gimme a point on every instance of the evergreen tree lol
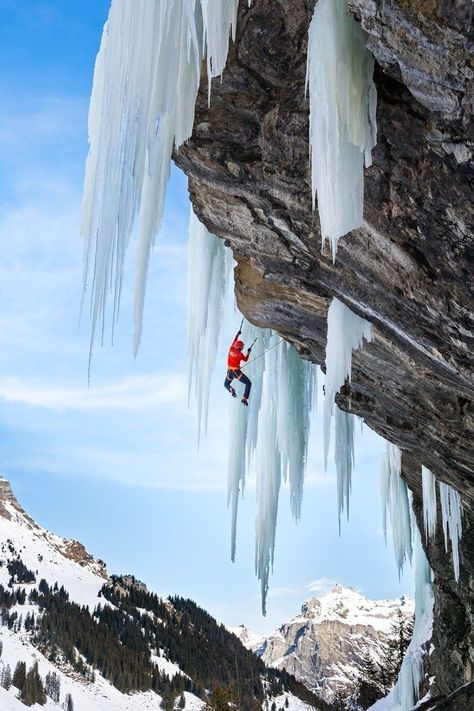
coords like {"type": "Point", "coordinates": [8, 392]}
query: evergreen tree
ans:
{"type": "Point", "coordinates": [19, 675]}
{"type": "Point", "coordinates": [6, 678]}
{"type": "Point", "coordinates": [68, 704]}
{"type": "Point", "coordinates": [33, 690]}
{"type": "Point", "coordinates": [222, 698]}
{"type": "Point", "coordinates": [167, 699]}
{"type": "Point", "coordinates": [53, 686]}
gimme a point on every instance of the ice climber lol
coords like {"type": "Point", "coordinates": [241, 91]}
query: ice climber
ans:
{"type": "Point", "coordinates": [234, 358]}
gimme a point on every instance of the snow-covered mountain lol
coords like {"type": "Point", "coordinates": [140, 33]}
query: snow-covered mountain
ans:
{"type": "Point", "coordinates": [106, 643]}
{"type": "Point", "coordinates": [326, 644]}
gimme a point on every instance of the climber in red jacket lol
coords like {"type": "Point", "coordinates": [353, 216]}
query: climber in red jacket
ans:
{"type": "Point", "coordinates": [234, 358]}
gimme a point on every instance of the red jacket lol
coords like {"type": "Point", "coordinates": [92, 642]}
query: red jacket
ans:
{"type": "Point", "coordinates": [235, 356]}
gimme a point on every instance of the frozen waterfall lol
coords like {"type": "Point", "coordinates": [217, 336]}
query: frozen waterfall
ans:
{"type": "Point", "coordinates": [272, 435]}
{"type": "Point", "coordinates": [342, 117]}
{"type": "Point", "coordinates": [395, 500]}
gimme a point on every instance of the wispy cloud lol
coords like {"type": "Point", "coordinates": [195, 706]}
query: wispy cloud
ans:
{"type": "Point", "coordinates": [131, 393]}
{"type": "Point", "coordinates": [320, 587]}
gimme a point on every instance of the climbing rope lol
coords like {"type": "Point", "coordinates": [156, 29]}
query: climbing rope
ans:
{"type": "Point", "coordinates": [262, 354]}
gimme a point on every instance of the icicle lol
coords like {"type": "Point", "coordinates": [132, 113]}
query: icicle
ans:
{"type": "Point", "coordinates": [143, 98]}
{"type": "Point", "coordinates": [236, 470]}
{"type": "Point", "coordinates": [275, 428]}
{"type": "Point", "coordinates": [243, 426]}
{"type": "Point", "coordinates": [342, 117]}
{"type": "Point", "coordinates": [209, 267]}
{"type": "Point", "coordinates": [344, 455]}
{"type": "Point", "coordinates": [406, 691]}
{"type": "Point", "coordinates": [346, 332]}
{"type": "Point", "coordinates": [451, 511]}
{"type": "Point", "coordinates": [395, 500]}
{"type": "Point", "coordinates": [269, 471]}
{"type": "Point", "coordinates": [219, 21]}
{"type": "Point", "coordinates": [296, 386]}
{"type": "Point", "coordinates": [429, 502]}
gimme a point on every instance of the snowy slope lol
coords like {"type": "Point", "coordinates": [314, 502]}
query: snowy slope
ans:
{"type": "Point", "coordinates": [66, 562]}
{"type": "Point", "coordinates": [248, 638]}
{"type": "Point", "coordinates": [50, 557]}
{"type": "Point", "coordinates": [323, 646]}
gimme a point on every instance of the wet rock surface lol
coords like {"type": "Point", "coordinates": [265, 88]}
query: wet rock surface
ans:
{"type": "Point", "coordinates": [408, 269]}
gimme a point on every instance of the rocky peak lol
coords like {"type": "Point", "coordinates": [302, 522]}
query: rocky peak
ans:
{"type": "Point", "coordinates": [324, 646]}
{"type": "Point", "coordinates": [29, 532]}
{"type": "Point", "coordinates": [9, 506]}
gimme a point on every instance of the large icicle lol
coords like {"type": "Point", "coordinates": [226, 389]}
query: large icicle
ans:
{"type": "Point", "coordinates": [273, 431]}
{"type": "Point", "coordinates": [269, 471]}
{"type": "Point", "coordinates": [395, 500]}
{"type": "Point", "coordinates": [405, 693]}
{"type": "Point", "coordinates": [344, 456]}
{"type": "Point", "coordinates": [220, 22]}
{"type": "Point", "coordinates": [346, 332]}
{"type": "Point", "coordinates": [429, 502]}
{"type": "Point", "coordinates": [145, 86]}
{"type": "Point", "coordinates": [342, 116]}
{"type": "Point", "coordinates": [243, 426]}
{"type": "Point", "coordinates": [209, 266]}
{"type": "Point", "coordinates": [296, 386]}
{"type": "Point", "coordinates": [451, 511]}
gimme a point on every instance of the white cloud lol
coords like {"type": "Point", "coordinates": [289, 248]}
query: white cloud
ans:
{"type": "Point", "coordinates": [131, 393]}
{"type": "Point", "coordinates": [320, 587]}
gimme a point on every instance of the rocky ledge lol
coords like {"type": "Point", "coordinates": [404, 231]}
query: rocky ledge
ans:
{"type": "Point", "coordinates": [407, 270]}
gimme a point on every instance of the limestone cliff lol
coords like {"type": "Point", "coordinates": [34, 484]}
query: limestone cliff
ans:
{"type": "Point", "coordinates": [407, 269]}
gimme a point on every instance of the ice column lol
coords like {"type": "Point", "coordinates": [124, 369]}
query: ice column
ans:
{"type": "Point", "coordinates": [346, 331]}
{"type": "Point", "coordinates": [429, 501]}
{"type": "Point", "coordinates": [395, 500]}
{"type": "Point", "coordinates": [342, 117]}
{"type": "Point", "coordinates": [451, 511]}
{"type": "Point", "coordinates": [209, 268]}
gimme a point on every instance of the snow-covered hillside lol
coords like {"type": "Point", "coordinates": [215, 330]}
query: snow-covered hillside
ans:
{"type": "Point", "coordinates": [325, 645]}
{"type": "Point", "coordinates": [67, 563]}
{"type": "Point", "coordinates": [37, 565]}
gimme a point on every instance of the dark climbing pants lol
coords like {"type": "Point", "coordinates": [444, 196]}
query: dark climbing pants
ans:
{"type": "Point", "coordinates": [238, 375]}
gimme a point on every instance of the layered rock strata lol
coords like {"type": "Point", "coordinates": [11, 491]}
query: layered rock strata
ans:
{"type": "Point", "coordinates": [407, 269]}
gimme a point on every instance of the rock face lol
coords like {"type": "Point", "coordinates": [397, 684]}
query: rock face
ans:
{"type": "Point", "coordinates": [407, 269]}
{"type": "Point", "coordinates": [324, 646]}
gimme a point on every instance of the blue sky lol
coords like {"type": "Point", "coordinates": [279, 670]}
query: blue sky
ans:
{"type": "Point", "coordinates": [116, 466]}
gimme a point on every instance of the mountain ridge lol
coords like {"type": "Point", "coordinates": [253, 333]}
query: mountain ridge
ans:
{"type": "Point", "coordinates": [108, 641]}
{"type": "Point", "coordinates": [305, 646]}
